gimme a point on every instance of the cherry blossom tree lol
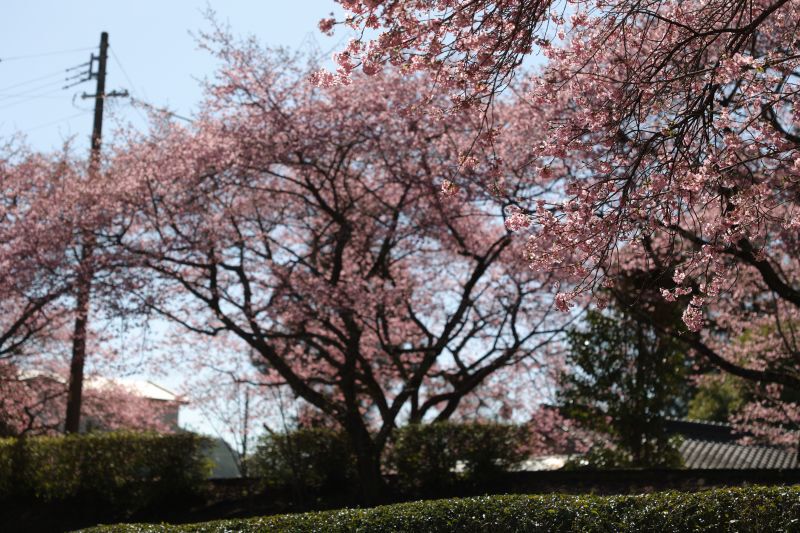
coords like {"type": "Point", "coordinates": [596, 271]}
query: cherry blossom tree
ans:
{"type": "Point", "coordinates": [34, 281]}
{"type": "Point", "coordinates": [750, 334]}
{"type": "Point", "coordinates": [46, 205]}
{"type": "Point", "coordinates": [315, 224]}
{"type": "Point", "coordinates": [672, 140]}
{"type": "Point", "coordinates": [33, 248]}
{"type": "Point", "coordinates": [662, 108]}
{"type": "Point", "coordinates": [95, 284]}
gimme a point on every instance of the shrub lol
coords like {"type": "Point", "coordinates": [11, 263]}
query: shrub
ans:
{"type": "Point", "coordinates": [426, 457]}
{"type": "Point", "coordinates": [120, 468]}
{"type": "Point", "coordinates": [433, 456]}
{"type": "Point", "coordinates": [6, 467]}
{"type": "Point", "coordinates": [752, 509]}
{"type": "Point", "coordinates": [310, 461]}
{"type": "Point", "coordinates": [604, 457]}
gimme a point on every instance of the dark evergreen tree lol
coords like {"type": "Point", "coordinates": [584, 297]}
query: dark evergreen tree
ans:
{"type": "Point", "coordinates": [622, 380]}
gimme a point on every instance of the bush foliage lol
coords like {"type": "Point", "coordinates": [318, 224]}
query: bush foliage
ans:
{"type": "Point", "coordinates": [309, 460]}
{"type": "Point", "coordinates": [119, 468]}
{"type": "Point", "coordinates": [425, 457]}
{"type": "Point", "coordinates": [624, 381]}
{"type": "Point", "coordinates": [436, 456]}
{"type": "Point", "coordinates": [753, 509]}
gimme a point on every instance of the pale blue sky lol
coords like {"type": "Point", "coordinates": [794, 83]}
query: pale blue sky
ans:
{"type": "Point", "coordinates": [149, 38]}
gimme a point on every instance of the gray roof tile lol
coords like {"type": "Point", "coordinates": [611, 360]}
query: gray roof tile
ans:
{"type": "Point", "coordinates": [718, 455]}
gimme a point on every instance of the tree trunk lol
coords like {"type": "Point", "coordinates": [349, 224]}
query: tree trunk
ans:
{"type": "Point", "coordinates": [368, 465]}
{"type": "Point", "coordinates": [372, 485]}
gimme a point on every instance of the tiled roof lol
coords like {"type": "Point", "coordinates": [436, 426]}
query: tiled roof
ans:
{"type": "Point", "coordinates": [719, 455]}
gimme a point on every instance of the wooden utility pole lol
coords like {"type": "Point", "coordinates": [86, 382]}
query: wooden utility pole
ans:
{"type": "Point", "coordinates": [85, 273]}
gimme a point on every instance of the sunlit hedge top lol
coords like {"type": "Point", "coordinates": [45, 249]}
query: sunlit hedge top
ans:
{"type": "Point", "coordinates": [755, 509]}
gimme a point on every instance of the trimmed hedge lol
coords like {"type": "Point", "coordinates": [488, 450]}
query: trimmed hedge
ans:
{"type": "Point", "coordinates": [432, 457]}
{"type": "Point", "coordinates": [426, 458]}
{"type": "Point", "coordinates": [754, 509]}
{"type": "Point", "coordinates": [309, 460]}
{"type": "Point", "coordinates": [121, 469]}
{"type": "Point", "coordinates": [6, 468]}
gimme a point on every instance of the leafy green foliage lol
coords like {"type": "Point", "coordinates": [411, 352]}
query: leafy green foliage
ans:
{"type": "Point", "coordinates": [6, 468]}
{"type": "Point", "coordinates": [718, 399]}
{"type": "Point", "coordinates": [751, 509]}
{"type": "Point", "coordinates": [601, 456]}
{"type": "Point", "coordinates": [429, 456]}
{"type": "Point", "coordinates": [121, 469]}
{"type": "Point", "coordinates": [310, 460]}
{"type": "Point", "coordinates": [623, 380]}
{"type": "Point", "coordinates": [425, 457]}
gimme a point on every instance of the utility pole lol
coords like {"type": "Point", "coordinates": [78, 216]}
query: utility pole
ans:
{"type": "Point", "coordinates": [85, 273]}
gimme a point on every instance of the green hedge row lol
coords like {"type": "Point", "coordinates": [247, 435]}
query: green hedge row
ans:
{"type": "Point", "coordinates": [309, 460]}
{"type": "Point", "coordinates": [754, 509]}
{"type": "Point", "coordinates": [425, 457]}
{"type": "Point", "coordinates": [430, 457]}
{"type": "Point", "coordinates": [119, 468]}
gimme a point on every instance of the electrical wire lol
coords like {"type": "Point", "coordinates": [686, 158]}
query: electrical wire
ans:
{"type": "Point", "coordinates": [45, 54]}
{"type": "Point", "coordinates": [40, 126]}
{"type": "Point", "coordinates": [124, 72]}
{"type": "Point", "coordinates": [139, 101]}
{"type": "Point", "coordinates": [39, 96]}
{"type": "Point", "coordinates": [26, 92]}
{"type": "Point", "coordinates": [33, 88]}
{"type": "Point", "coordinates": [59, 73]}
{"type": "Point", "coordinates": [134, 90]}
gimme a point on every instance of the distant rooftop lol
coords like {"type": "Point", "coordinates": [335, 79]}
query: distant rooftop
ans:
{"type": "Point", "coordinates": [704, 446]}
{"type": "Point", "coordinates": [140, 387]}
{"type": "Point", "coordinates": [714, 445]}
{"type": "Point", "coordinates": [704, 454]}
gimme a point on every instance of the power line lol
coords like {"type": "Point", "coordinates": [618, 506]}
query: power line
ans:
{"type": "Point", "coordinates": [33, 93]}
{"type": "Point", "coordinates": [44, 54]}
{"type": "Point", "coordinates": [46, 94]}
{"type": "Point", "coordinates": [164, 111]}
{"type": "Point", "coordinates": [59, 72]}
{"type": "Point", "coordinates": [80, 76]}
{"type": "Point", "coordinates": [124, 72]}
{"type": "Point", "coordinates": [30, 93]}
{"type": "Point", "coordinates": [134, 88]}
{"type": "Point", "coordinates": [30, 90]}
{"type": "Point", "coordinates": [137, 102]}
{"type": "Point", "coordinates": [40, 126]}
